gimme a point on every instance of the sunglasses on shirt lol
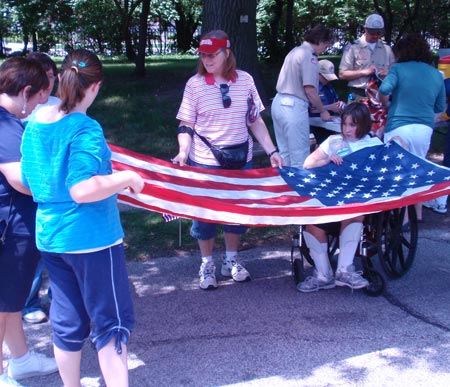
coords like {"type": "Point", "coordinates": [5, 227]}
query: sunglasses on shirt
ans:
{"type": "Point", "coordinates": [226, 100]}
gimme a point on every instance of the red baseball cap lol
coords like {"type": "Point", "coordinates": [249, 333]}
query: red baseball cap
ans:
{"type": "Point", "coordinates": [212, 45]}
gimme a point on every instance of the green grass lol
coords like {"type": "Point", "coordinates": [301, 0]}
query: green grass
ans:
{"type": "Point", "coordinates": [139, 114]}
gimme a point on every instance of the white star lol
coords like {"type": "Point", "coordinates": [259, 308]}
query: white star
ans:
{"type": "Point", "coordinates": [383, 170]}
{"type": "Point", "coordinates": [381, 178]}
{"type": "Point", "coordinates": [306, 180]}
{"type": "Point", "coordinates": [333, 173]}
{"type": "Point", "coordinates": [397, 178]}
{"type": "Point", "coordinates": [372, 157]}
{"type": "Point", "coordinates": [398, 167]}
{"type": "Point", "coordinates": [291, 174]}
{"type": "Point", "coordinates": [367, 196]}
{"type": "Point", "coordinates": [413, 176]}
{"type": "Point", "coordinates": [415, 166]}
{"type": "Point", "coordinates": [431, 173]}
{"type": "Point", "coordinates": [368, 169]}
{"type": "Point", "coordinates": [386, 157]}
{"type": "Point", "coordinates": [348, 177]}
{"type": "Point", "coordinates": [364, 179]}
{"type": "Point", "coordinates": [301, 185]}
{"type": "Point", "coordinates": [400, 156]}
{"type": "Point", "coordinates": [353, 166]}
{"type": "Point", "coordinates": [330, 195]}
{"type": "Point", "coordinates": [312, 175]}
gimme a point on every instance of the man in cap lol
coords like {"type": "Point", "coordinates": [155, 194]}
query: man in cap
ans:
{"type": "Point", "coordinates": [366, 58]}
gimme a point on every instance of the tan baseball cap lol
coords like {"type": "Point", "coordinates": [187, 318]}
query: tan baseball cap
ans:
{"type": "Point", "coordinates": [326, 69]}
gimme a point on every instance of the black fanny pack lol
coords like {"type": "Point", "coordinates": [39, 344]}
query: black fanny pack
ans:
{"type": "Point", "coordinates": [229, 157]}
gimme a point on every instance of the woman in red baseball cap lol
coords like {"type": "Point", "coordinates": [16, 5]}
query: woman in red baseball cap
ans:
{"type": "Point", "coordinates": [220, 103]}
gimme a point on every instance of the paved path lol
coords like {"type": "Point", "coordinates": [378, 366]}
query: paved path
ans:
{"type": "Point", "coordinates": [265, 333]}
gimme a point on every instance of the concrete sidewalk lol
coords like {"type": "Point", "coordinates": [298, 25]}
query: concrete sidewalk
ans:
{"type": "Point", "coordinates": [265, 333]}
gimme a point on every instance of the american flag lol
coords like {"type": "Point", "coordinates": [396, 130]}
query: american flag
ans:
{"type": "Point", "coordinates": [370, 180]}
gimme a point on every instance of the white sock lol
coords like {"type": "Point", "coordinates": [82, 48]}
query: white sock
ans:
{"type": "Point", "coordinates": [229, 255]}
{"type": "Point", "coordinates": [208, 259]}
{"type": "Point", "coordinates": [348, 242]}
{"type": "Point", "coordinates": [319, 254]}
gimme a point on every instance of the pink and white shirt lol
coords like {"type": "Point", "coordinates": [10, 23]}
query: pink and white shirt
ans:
{"type": "Point", "coordinates": [203, 108]}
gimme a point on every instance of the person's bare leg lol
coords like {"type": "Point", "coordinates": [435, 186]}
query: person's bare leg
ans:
{"type": "Point", "coordinates": [231, 241]}
{"type": "Point", "coordinates": [206, 247]}
{"type": "Point", "coordinates": [114, 366]}
{"type": "Point", "coordinates": [15, 336]}
{"type": "Point", "coordinates": [69, 364]}
{"type": "Point", "coordinates": [2, 336]}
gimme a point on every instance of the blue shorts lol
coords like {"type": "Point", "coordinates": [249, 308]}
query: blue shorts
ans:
{"type": "Point", "coordinates": [204, 230]}
{"type": "Point", "coordinates": [19, 257]}
{"type": "Point", "coordinates": [90, 288]}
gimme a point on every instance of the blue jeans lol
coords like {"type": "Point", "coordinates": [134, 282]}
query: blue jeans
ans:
{"type": "Point", "coordinates": [204, 230]}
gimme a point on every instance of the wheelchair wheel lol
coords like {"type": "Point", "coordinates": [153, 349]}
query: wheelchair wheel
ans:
{"type": "Point", "coordinates": [397, 242]}
{"type": "Point", "coordinates": [376, 283]}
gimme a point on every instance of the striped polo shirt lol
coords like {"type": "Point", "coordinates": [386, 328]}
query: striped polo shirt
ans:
{"type": "Point", "coordinates": [202, 107]}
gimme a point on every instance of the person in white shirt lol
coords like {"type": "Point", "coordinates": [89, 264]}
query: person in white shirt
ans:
{"type": "Point", "coordinates": [355, 126]}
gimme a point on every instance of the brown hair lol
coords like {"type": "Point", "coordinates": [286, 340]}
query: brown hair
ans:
{"type": "Point", "coordinates": [319, 34]}
{"type": "Point", "coordinates": [360, 115]}
{"type": "Point", "coordinates": [229, 71]}
{"type": "Point", "coordinates": [46, 62]}
{"type": "Point", "coordinates": [18, 72]}
{"type": "Point", "coordinates": [413, 47]}
{"type": "Point", "coordinates": [79, 70]}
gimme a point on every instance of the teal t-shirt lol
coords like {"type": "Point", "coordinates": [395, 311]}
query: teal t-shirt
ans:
{"type": "Point", "coordinates": [417, 94]}
{"type": "Point", "coordinates": [55, 157]}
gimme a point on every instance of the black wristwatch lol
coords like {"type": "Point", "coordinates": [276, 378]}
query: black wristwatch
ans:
{"type": "Point", "coordinates": [185, 129]}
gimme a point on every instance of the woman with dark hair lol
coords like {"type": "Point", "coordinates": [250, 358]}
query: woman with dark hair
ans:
{"type": "Point", "coordinates": [22, 85]}
{"type": "Point", "coordinates": [219, 104]}
{"type": "Point", "coordinates": [78, 225]}
{"type": "Point", "coordinates": [355, 128]}
{"type": "Point", "coordinates": [417, 92]}
{"type": "Point", "coordinates": [297, 88]}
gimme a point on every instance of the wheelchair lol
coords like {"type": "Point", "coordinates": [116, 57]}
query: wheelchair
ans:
{"type": "Point", "coordinates": [391, 235]}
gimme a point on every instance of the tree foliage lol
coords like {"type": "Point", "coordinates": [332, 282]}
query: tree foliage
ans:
{"type": "Point", "coordinates": [113, 26]}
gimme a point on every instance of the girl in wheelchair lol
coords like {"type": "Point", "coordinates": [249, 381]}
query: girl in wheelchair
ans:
{"type": "Point", "coordinates": [355, 128]}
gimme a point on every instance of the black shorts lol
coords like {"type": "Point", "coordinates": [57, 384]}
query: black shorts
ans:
{"type": "Point", "coordinates": [18, 261]}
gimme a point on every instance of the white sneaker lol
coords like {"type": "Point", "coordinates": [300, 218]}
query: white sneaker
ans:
{"type": "Point", "coordinates": [233, 268]}
{"type": "Point", "coordinates": [35, 317]}
{"type": "Point", "coordinates": [351, 278]}
{"type": "Point", "coordinates": [436, 205]}
{"type": "Point", "coordinates": [36, 365]}
{"type": "Point", "coordinates": [6, 381]}
{"type": "Point", "coordinates": [207, 275]}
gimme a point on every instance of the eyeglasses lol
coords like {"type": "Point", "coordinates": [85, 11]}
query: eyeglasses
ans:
{"type": "Point", "coordinates": [226, 100]}
{"type": "Point", "coordinates": [209, 56]}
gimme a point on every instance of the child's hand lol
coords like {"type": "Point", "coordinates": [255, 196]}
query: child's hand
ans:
{"type": "Point", "coordinates": [336, 159]}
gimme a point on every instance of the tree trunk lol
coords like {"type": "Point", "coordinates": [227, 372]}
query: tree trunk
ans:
{"type": "Point", "coordinates": [238, 19]}
{"type": "Point", "coordinates": [140, 59]}
{"type": "Point", "coordinates": [290, 25]}
{"type": "Point", "coordinates": [186, 26]}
